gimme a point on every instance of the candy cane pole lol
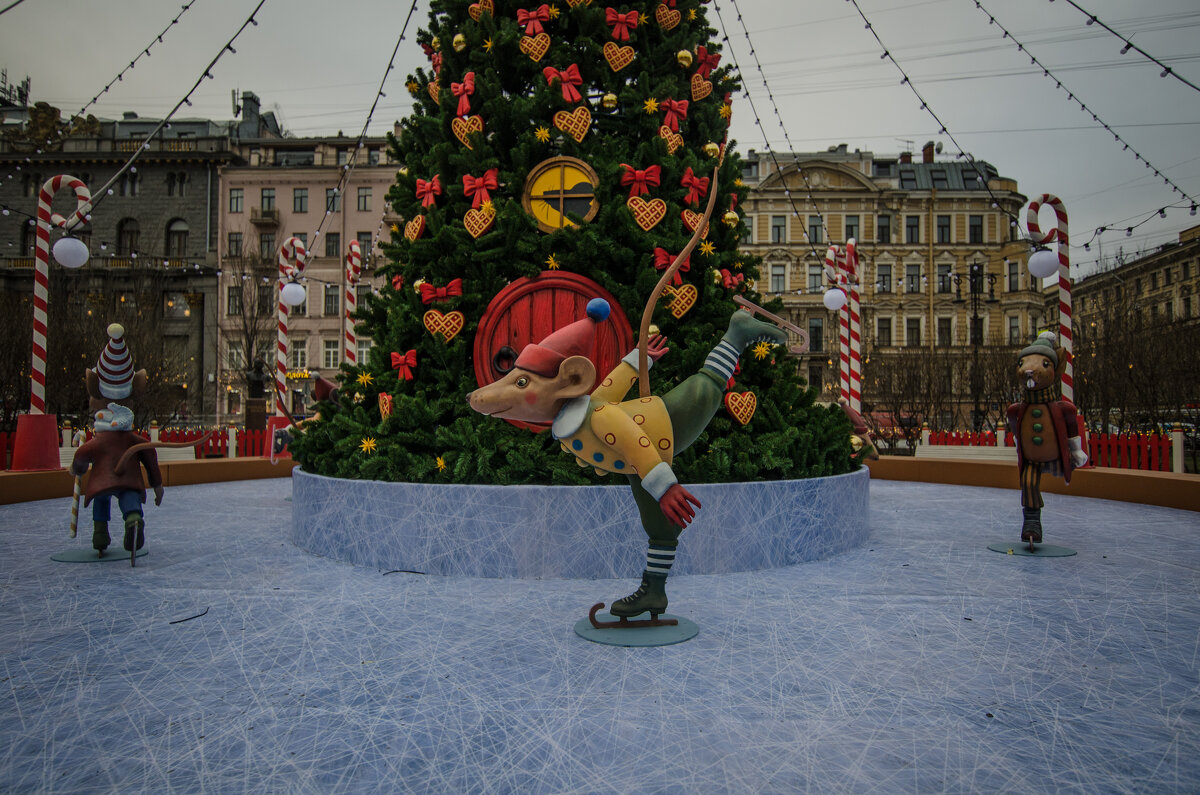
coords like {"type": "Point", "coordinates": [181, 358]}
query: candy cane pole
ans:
{"type": "Point", "coordinates": [41, 274]}
{"type": "Point", "coordinates": [834, 261]}
{"type": "Point", "coordinates": [353, 271]}
{"type": "Point", "coordinates": [291, 264]}
{"type": "Point", "coordinates": [75, 506]}
{"type": "Point", "coordinates": [854, 310]}
{"type": "Point", "coordinates": [1064, 278]}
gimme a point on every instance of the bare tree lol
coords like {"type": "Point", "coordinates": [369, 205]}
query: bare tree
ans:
{"type": "Point", "coordinates": [250, 297]}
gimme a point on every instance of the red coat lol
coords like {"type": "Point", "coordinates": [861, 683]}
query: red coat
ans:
{"type": "Point", "coordinates": [1066, 426]}
{"type": "Point", "coordinates": [102, 452]}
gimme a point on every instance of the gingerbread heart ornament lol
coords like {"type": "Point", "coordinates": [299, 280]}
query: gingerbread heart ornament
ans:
{"type": "Point", "coordinates": [574, 3]}
{"type": "Point", "coordinates": [618, 57]}
{"type": "Point", "coordinates": [462, 129]}
{"type": "Point", "coordinates": [691, 220]}
{"type": "Point", "coordinates": [576, 123]}
{"type": "Point", "coordinates": [647, 214]}
{"type": "Point", "coordinates": [683, 298]}
{"type": "Point", "coordinates": [535, 47]}
{"type": "Point", "coordinates": [741, 405]}
{"type": "Point", "coordinates": [674, 140]}
{"type": "Point", "coordinates": [434, 90]}
{"type": "Point", "coordinates": [701, 88]}
{"type": "Point", "coordinates": [475, 10]}
{"type": "Point", "coordinates": [448, 324]}
{"type": "Point", "coordinates": [414, 228]}
{"type": "Point", "coordinates": [479, 221]}
{"type": "Point", "coordinates": [666, 18]}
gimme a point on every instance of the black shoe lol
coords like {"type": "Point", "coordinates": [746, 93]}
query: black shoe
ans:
{"type": "Point", "coordinates": [134, 532]}
{"type": "Point", "coordinates": [651, 595]}
{"type": "Point", "coordinates": [100, 538]}
{"type": "Point", "coordinates": [1031, 530]}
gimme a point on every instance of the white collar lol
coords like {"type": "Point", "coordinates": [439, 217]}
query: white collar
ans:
{"type": "Point", "coordinates": [570, 417]}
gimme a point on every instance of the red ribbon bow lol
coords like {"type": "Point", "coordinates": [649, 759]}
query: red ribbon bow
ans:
{"type": "Point", "coordinates": [638, 179]}
{"type": "Point", "coordinates": [404, 363]}
{"type": "Point", "coordinates": [663, 260]}
{"type": "Point", "coordinates": [676, 109]}
{"type": "Point", "coordinates": [436, 60]}
{"type": "Point", "coordinates": [429, 293]}
{"type": "Point", "coordinates": [705, 62]}
{"type": "Point", "coordinates": [463, 91]}
{"type": "Point", "coordinates": [697, 186]}
{"type": "Point", "coordinates": [478, 187]}
{"type": "Point", "coordinates": [429, 51]}
{"type": "Point", "coordinates": [397, 282]}
{"type": "Point", "coordinates": [568, 78]}
{"type": "Point", "coordinates": [428, 192]}
{"type": "Point", "coordinates": [532, 20]}
{"type": "Point", "coordinates": [620, 23]}
{"type": "Point", "coordinates": [729, 279]}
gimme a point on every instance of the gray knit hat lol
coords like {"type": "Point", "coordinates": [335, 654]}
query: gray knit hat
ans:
{"type": "Point", "coordinates": [1044, 345]}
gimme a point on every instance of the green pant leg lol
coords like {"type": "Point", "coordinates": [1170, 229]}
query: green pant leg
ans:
{"type": "Point", "coordinates": [691, 406]}
{"type": "Point", "coordinates": [660, 529]}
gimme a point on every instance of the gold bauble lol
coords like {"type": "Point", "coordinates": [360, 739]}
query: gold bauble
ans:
{"type": "Point", "coordinates": [684, 57]}
{"type": "Point", "coordinates": [417, 286]}
{"type": "Point", "coordinates": [609, 101]}
{"type": "Point", "coordinates": [460, 42]}
{"type": "Point", "coordinates": [436, 44]}
{"type": "Point", "coordinates": [711, 149]}
{"type": "Point", "coordinates": [731, 218]}
{"type": "Point", "coordinates": [856, 443]}
{"type": "Point", "coordinates": [653, 329]}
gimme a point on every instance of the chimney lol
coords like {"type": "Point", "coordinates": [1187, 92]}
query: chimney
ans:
{"type": "Point", "coordinates": [927, 152]}
{"type": "Point", "coordinates": [906, 157]}
{"type": "Point", "coordinates": [129, 114]}
{"type": "Point", "coordinates": [249, 125]}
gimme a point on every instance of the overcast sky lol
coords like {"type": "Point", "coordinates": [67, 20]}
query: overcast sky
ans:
{"type": "Point", "coordinates": [318, 65]}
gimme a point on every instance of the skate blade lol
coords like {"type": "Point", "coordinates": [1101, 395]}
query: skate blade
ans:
{"type": "Point", "coordinates": [628, 623]}
{"type": "Point", "coordinates": [755, 309]}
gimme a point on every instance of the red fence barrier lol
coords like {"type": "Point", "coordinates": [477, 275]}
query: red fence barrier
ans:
{"type": "Point", "coordinates": [5, 444]}
{"type": "Point", "coordinates": [1119, 450]}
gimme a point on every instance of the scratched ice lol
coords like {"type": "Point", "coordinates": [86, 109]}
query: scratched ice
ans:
{"type": "Point", "coordinates": [919, 661]}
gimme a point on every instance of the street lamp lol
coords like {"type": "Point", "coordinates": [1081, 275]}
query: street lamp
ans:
{"type": "Point", "coordinates": [975, 279]}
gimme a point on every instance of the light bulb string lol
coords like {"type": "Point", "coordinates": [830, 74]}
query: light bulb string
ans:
{"type": "Point", "coordinates": [758, 122]}
{"type": "Point", "coordinates": [1129, 45]}
{"type": "Point", "coordinates": [1072, 97]}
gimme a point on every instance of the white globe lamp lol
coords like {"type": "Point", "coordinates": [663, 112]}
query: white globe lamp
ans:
{"type": "Point", "coordinates": [292, 294]}
{"type": "Point", "coordinates": [70, 252]}
{"type": "Point", "coordinates": [1043, 263]}
{"type": "Point", "coordinates": [834, 299]}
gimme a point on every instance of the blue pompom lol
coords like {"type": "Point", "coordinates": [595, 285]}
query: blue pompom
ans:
{"type": "Point", "coordinates": [598, 309]}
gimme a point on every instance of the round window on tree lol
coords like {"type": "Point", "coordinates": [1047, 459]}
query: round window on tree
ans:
{"type": "Point", "coordinates": [559, 188]}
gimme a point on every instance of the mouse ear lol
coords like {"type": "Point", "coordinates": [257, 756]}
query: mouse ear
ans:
{"type": "Point", "coordinates": [576, 376]}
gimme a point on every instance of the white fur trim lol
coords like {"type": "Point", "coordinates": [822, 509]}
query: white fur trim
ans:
{"type": "Point", "coordinates": [659, 479]}
{"type": "Point", "coordinates": [631, 359]}
{"type": "Point", "coordinates": [570, 417]}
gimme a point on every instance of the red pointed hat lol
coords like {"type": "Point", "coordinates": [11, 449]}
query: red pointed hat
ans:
{"type": "Point", "coordinates": [115, 366]}
{"type": "Point", "coordinates": [575, 339]}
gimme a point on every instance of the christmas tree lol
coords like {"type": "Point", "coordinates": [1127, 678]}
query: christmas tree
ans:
{"type": "Point", "coordinates": [556, 154]}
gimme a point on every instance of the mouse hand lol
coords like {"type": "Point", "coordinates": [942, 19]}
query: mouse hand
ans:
{"type": "Point", "coordinates": [677, 504]}
{"type": "Point", "coordinates": [656, 347]}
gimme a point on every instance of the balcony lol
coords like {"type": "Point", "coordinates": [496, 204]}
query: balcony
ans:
{"type": "Point", "coordinates": [261, 217]}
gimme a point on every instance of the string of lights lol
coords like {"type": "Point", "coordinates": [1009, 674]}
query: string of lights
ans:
{"type": "Point", "coordinates": [758, 123]}
{"type": "Point", "coordinates": [1129, 45]}
{"type": "Point", "coordinates": [942, 129]}
{"type": "Point", "coordinates": [1071, 97]}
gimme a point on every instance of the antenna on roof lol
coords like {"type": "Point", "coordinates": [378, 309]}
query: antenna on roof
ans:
{"type": "Point", "coordinates": [908, 143]}
{"type": "Point", "coordinates": [236, 107]}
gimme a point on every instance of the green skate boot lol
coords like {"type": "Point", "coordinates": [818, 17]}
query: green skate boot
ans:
{"type": "Point", "coordinates": [100, 538]}
{"type": "Point", "coordinates": [651, 595]}
{"type": "Point", "coordinates": [744, 330]}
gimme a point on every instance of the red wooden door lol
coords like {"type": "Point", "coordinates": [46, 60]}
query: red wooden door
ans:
{"type": "Point", "coordinates": [529, 309]}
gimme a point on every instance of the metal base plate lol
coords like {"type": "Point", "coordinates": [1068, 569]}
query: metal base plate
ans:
{"type": "Point", "coordinates": [643, 636]}
{"type": "Point", "coordinates": [88, 555]}
{"type": "Point", "coordinates": [1039, 550]}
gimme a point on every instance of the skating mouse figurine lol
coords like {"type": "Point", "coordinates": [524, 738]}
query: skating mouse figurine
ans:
{"type": "Point", "coordinates": [1045, 426]}
{"type": "Point", "coordinates": [552, 382]}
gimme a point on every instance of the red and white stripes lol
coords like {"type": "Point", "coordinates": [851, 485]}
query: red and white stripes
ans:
{"type": "Point", "coordinates": [841, 269]}
{"type": "Point", "coordinates": [353, 271]}
{"type": "Point", "coordinates": [1064, 278]}
{"type": "Point", "coordinates": [291, 263]}
{"type": "Point", "coordinates": [41, 274]}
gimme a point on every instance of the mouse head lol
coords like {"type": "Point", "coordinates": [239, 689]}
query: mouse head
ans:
{"type": "Point", "coordinates": [113, 377]}
{"type": "Point", "coordinates": [1041, 364]}
{"type": "Point", "coordinates": [546, 374]}
{"type": "Point", "coordinates": [114, 417]}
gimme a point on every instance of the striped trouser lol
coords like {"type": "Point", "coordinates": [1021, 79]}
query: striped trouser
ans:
{"type": "Point", "coordinates": [1031, 484]}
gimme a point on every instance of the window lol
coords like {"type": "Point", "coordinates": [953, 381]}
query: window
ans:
{"type": "Point", "coordinates": [945, 333]}
{"type": "Point", "coordinates": [29, 241]}
{"type": "Point", "coordinates": [883, 332]}
{"type": "Point", "coordinates": [883, 280]}
{"type": "Point", "coordinates": [364, 348]}
{"type": "Point", "coordinates": [912, 332]}
{"type": "Point", "coordinates": [814, 229]}
{"type": "Point", "coordinates": [816, 275]}
{"type": "Point", "coordinates": [302, 237]}
{"type": "Point", "coordinates": [778, 278]}
{"type": "Point", "coordinates": [1014, 330]}
{"type": "Point", "coordinates": [851, 227]}
{"type": "Point", "coordinates": [1154, 281]}
{"type": "Point", "coordinates": [300, 309]}
{"type": "Point", "coordinates": [912, 278]}
{"type": "Point", "coordinates": [943, 229]}
{"type": "Point", "coordinates": [938, 175]}
{"type": "Point", "coordinates": [332, 300]}
{"type": "Point", "coordinates": [748, 230]}
{"type": "Point", "coordinates": [975, 229]}
{"type": "Point", "coordinates": [265, 297]}
{"type": "Point", "coordinates": [1014, 277]}
{"type": "Point", "coordinates": [1187, 270]}
{"type": "Point", "coordinates": [266, 244]}
{"type": "Point", "coordinates": [235, 199]}
{"type": "Point", "coordinates": [1168, 311]}
{"type": "Point", "coordinates": [912, 229]}
{"type": "Point", "coordinates": [299, 354]}
{"type": "Point", "coordinates": [343, 157]}
{"type": "Point", "coordinates": [233, 402]}
{"type": "Point", "coordinates": [749, 169]}
{"type": "Point", "coordinates": [778, 228]}
{"type": "Point", "coordinates": [129, 184]}
{"type": "Point", "coordinates": [360, 294]}
{"type": "Point", "coordinates": [364, 199]}
{"type": "Point", "coordinates": [233, 299]}
{"type": "Point", "coordinates": [977, 330]}
{"type": "Point", "coordinates": [175, 183]}
{"type": "Point", "coordinates": [233, 248]}
{"type": "Point", "coordinates": [1137, 286]}
{"type": "Point", "coordinates": [235, 357]}
{"type": "Point", "coordinates": [127, 237]}
{"type": "Point", "coordinates": [815, 374]}
{"type": "Point", "coordinates": [299, 200]}
{"type": "Point", "coordinates": [177, 237]}
{"type": "Point", "coordinates": [1187, 307]}
{"type": "Point", "coordinates": [908, 179]}
{"type": "Point", "coordinates": [333, 200]}
{"type": "Point", "coordinates": [816, 334]}
{"type": "Point", "coordinates": [364, 242]}
{"type": "Point", "coordinates": [943, 277]}
{"type": "Point", "coordinates": [330, 355]}
{"type": "Point", "coordinates": [268, 198]}
{"type": "Point", "coordinates": [971, 180]}
{"type": "Point", "coordinates": [1166, 275]}
{"type": "Point", "coordinates": [884, 224]}
{"type": "Point", "coordinates": [373, 157]}
{"type": "Point", "coordinates": [333, 244]}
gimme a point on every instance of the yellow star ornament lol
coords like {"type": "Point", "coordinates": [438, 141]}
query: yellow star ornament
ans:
{"type": "Point", "coordinates": [650, 105]}
{"type": "Point", "coordinates": [762, 350]}
{"type": "Point", "coordinates": [487, 207]}
{"type": "Point", "coordinates": [441, 464]}
{"type": "Point", "coordinates": [542, 134]}
{"type": "Point", "coordinates": [552, 263]}
{"type": "Point", "coordinates": [365, 379]}
{"type": "Point", "coordinates": [707, 248]}
{"type": "Point", "coordinates": [725, 111]}
{"type": "Point", "coordinates": [487, 45]}
{"type": "Point", "coordinates": [367, 445]}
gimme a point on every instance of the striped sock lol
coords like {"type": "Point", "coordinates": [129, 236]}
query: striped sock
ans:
{"type": "Point", "coordinates": [723, 360]}
{"type": "Point", "coordinates": [659, 559]}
